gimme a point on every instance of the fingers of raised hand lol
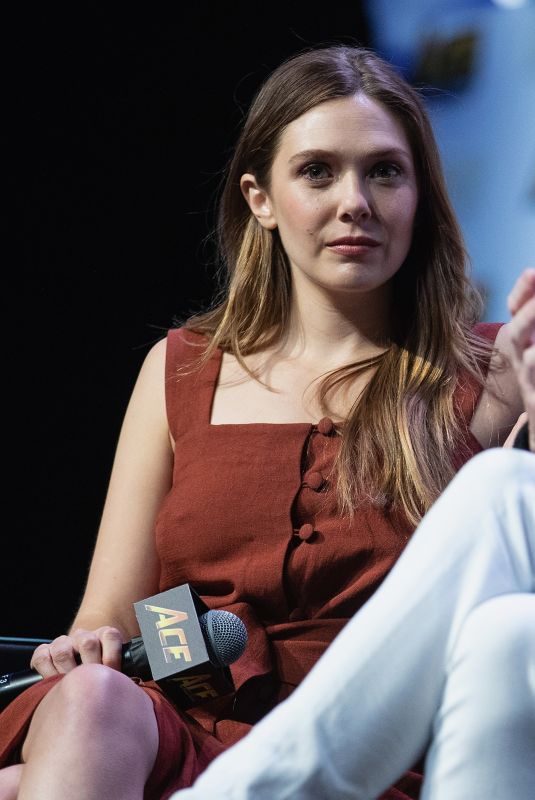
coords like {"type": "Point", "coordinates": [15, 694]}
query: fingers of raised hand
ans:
{"type": "Point", "coordinates": [523, 289]}
{"type": "Point", "coordinates": [528, 359]}
{"type": "Point", "coordinates": [527, 381]}
{"type": "Point", "coordinates": [522, 328]}
{"type": "Point", "coordinates": [524, 362]}
{"type": "Point", "coordinates": [523, 418]}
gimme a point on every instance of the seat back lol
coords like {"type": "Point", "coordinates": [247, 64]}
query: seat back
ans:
{"type": "Point", "coordinates": [16, 651]}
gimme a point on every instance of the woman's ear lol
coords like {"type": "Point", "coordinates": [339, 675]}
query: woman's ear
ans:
{"type": "Point", "coordinates": [258, 201]}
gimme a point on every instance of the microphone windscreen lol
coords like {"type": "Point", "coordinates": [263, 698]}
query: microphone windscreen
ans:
{"type": "Point", "coordinates": [225, 635]}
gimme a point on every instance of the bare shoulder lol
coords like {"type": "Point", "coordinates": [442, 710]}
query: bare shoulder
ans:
{"type": "Point", "coordinates": [154, 361]}
{"type": "Point", "coordinates": [147, 407]}
{"type": "Point", "coordinates": [500, 404]}
{"type": "Point", "coordinates": [150, 381]}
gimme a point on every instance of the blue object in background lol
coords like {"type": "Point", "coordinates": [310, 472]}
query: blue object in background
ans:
{"type": "Point", "coordinates": [476, 64]}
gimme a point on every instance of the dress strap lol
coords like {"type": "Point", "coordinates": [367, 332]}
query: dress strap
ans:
{"type": "Point", "coordinates": [189, 389]}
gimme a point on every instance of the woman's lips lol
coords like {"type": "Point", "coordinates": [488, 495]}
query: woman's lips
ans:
{"type": "Point", "coordinates": [353, 245]}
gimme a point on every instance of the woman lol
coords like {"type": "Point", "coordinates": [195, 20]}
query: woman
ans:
{"type": "Point", "coordinates": [278, 450]}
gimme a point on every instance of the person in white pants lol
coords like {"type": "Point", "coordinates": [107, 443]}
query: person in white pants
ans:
{"type": "Point", "coordinates": [441, 660]}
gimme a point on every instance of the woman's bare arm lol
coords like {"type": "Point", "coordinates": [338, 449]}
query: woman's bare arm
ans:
{"type": "Point", "coordinates": [124, 566]}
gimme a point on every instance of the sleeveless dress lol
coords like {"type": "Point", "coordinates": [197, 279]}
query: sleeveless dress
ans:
{"type": "Point", "coordinates": [251, 523]}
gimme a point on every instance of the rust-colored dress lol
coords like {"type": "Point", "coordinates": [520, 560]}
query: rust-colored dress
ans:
{"type": "Point", "coordinates": [250, 522]}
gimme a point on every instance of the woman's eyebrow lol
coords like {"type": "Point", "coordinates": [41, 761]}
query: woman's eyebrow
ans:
{"type": "Point", "coordinates": [390, 152]}
{"type": "Point", "coordinates": [304, 155]}
{"type": "Point", "coordinates": [380, 152]}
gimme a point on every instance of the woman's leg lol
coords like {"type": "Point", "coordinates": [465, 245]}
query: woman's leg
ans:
{"type": "Point", "coordinates": [93, 736]}
{"type": "Point", "coordinates": [365, 712]}
{"type": "Point", "coordinates": [9, 782]}
{"type": "Point", "coordinates": [484, 732]}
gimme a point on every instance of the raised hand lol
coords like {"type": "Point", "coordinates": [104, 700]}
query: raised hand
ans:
{"type": "Point", "coordinates": [521, 303]}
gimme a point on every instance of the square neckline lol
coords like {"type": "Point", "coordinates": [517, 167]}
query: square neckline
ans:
{"type": "Point", "coordinates": [215, 373]}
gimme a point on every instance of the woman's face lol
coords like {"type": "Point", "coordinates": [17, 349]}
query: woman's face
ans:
{"type": "Point", "coordinates": [343, 196]}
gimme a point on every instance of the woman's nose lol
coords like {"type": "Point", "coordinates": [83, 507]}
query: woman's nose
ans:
{"type": "Point", "coordinates": [354, 201]}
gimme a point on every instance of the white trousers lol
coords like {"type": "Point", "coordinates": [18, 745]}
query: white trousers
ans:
{"type": "Point", "coordinates": [440, 661]}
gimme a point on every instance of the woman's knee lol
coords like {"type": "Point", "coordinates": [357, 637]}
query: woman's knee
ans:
{"type": "Point", "coordinates": [94, 693]}
{"type": "Point", "coordinates": [494, 660]}
{"type": "Point", "coordinates": [97, 701]}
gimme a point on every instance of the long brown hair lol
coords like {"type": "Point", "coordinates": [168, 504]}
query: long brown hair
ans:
{"type": "Point", "coordinates": [400, 435]}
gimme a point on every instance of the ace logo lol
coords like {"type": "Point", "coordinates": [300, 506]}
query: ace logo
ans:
{"type": "Point", "coordinates": [166, 618]}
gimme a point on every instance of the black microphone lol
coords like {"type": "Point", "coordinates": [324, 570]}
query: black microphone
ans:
{"type": "Point", "coordinates": [184, 646]}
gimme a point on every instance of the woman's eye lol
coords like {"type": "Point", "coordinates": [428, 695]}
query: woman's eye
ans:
{"type": "Point", "coordinates": [385, 171]}
{"type": "Point", "coordinates": [315, 172]}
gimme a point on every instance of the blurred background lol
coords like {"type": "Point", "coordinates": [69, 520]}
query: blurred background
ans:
{"type": "Point", "coordinates": [119, 123]}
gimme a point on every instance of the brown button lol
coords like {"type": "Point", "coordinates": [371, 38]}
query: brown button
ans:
{"type": "Point", "coordinates": [296, 615]}
{"type": "Point", "coordinates": [325, 426]}
{"type": "Point", "coordinates": [314, 480]}
{"type": "Point", "coordinates": [305, 531]}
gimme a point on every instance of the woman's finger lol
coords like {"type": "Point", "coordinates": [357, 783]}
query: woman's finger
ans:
{"type": "Point", "coordinates": [523, 289]}
{"type": "Point", "coordinates": [63, 654]}
{"type": "Point", "coordinates": [57, 657]}
{"type": "Point", "coordinates": [112, 647]}
{"type": "Point", "coordinates": [523, 418]}
{"type": "Point", "coordinates": [88, 646]}
{"type": "Point", "coordinates": [42, 661]}
{"type": "Point", "coordinates": [522, 327]}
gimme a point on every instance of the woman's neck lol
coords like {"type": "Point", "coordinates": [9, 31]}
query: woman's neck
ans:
{"type": "Point", "coordinates": [320, 332]}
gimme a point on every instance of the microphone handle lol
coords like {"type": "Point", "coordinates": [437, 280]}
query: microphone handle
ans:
{"type": "Point", "coordinates": [134, 662]}
{"type": "Point", "coordinates": [13, 683]}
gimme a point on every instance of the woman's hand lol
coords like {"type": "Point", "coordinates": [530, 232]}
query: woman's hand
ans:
{"type": "Point", "coordinates": [100, 646]}
{"type": "Point", "coordinates": [521, 421]}
{"type": "Point", "coordinates": [521, 303]}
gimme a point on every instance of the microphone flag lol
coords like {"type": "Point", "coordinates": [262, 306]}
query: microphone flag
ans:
{"type": "Point", "coordinates": [180, 657]}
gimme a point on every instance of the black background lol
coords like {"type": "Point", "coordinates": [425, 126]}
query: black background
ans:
{"type": "Point", "coordinates": [118, 124]}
